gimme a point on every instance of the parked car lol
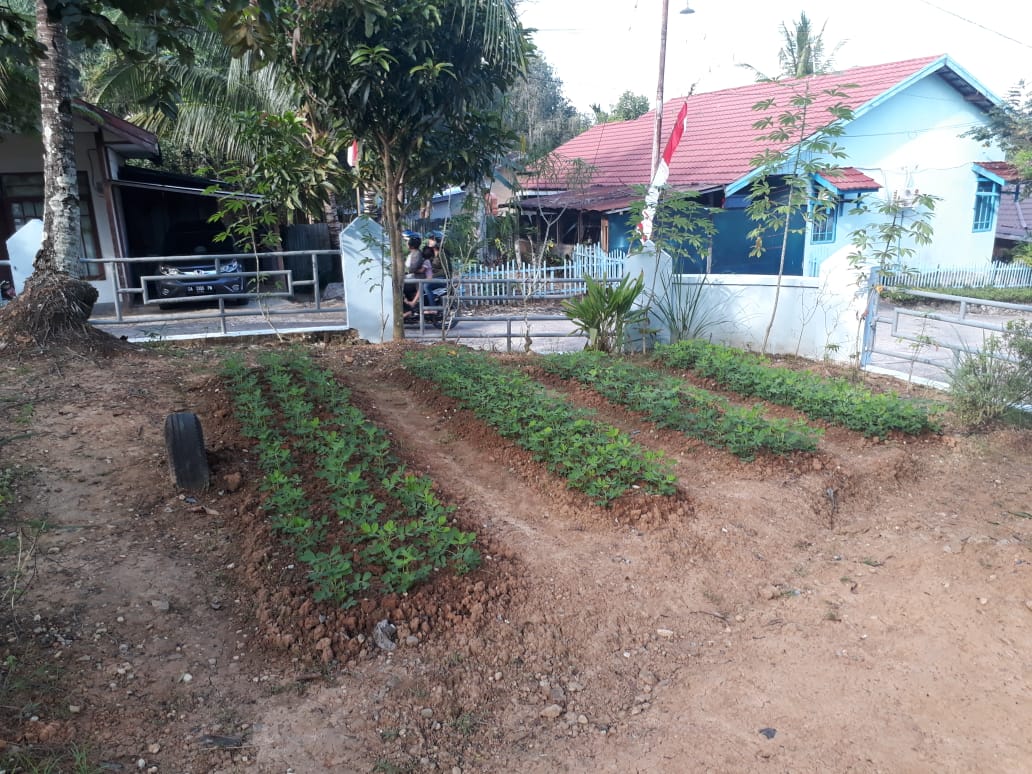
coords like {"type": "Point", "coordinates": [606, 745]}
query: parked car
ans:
{"type": "Point", "coordinates": [201, 275]}
{"type": "Point", "coordinates": [201, 278]}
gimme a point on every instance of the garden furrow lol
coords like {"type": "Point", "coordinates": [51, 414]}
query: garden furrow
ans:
{"type": "Point", "coordinates": [670, 403]}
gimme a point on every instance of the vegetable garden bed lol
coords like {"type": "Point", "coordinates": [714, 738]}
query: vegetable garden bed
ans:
{"type": "Point", "coordinates": [835, 400]}
{"type": "Point", "coordinates": [292, 408]}
{"type": "Point", "coordinates": [594, 458]}
{"type": "Point", "coordinates": [668, 402]}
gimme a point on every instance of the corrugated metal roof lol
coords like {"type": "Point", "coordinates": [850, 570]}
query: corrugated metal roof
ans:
{"type": "Point", "coordinates": [721, 140]}
{"type": "Point", "coordinates": [1014, 219]}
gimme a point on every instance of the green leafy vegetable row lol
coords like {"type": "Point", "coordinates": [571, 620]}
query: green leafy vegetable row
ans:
{"type": "Point", "coordinates": [835, 400]}
{"type": "Point", "coordinates": [594, 458]}
{"type": "Point", "coordinates": [669, 402]}
{"type": "Point", "coordinates": [290, 408]}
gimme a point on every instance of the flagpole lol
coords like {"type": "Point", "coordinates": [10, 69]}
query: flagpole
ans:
{"type": "Point", "coordinates": [657, 123]}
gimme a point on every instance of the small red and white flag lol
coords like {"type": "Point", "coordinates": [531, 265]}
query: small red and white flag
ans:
{"type": "Point", "coordinates": [662, 173]}
{"type": "Point", "coordinates": [353, 154]}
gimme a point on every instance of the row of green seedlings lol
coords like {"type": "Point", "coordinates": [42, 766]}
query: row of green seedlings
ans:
{"type": "Point", "coordinates": [835, 400]}
{"type": "Point", "coordinates": [594, 458]}
{"type": "Point", "coordinates": [391, 531]}
{"type": "Point", "coordinates": [668, 402]}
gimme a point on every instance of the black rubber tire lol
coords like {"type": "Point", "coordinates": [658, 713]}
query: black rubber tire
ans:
{"type": "Point", "coordinates": [187, 460]}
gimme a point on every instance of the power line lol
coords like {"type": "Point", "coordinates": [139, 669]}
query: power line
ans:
{"type": "Point", "coordinates": [976, 24]}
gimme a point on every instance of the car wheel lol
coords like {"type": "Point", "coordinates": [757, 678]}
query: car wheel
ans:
{"type": "Point", "coordinates": [187, 460]}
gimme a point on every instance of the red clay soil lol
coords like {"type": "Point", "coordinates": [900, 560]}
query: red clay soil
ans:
{"type": "Point", "coordinates": [864, 608]}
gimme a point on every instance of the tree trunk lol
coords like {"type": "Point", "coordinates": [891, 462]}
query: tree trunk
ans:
{"type": "Point", "coordinates": [62, 241]}
{"type": "Point", "coordinates": [55, 307]}
{"type": "Point", "coordinates": [333, 224]}
{"type": "Point", "coordinates": [392, 222]}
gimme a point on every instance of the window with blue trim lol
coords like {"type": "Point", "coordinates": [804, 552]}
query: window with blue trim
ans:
{"type": "Point", "coordinates": [822, 227]}
{"type": "Point", "coordinates": [987, 200]}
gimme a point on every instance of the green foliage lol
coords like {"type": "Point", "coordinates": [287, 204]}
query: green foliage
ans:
{"type": "Point", "coordinates": [419, 85]}
{"type": "Point", "coordinates": [1006, 295]}
{"type": "Point", "coordinates": [627, 107]}
{"type": "Point", "coordinates": [594, 458]}
{"type": "Point", "coordinates": [1010, 125]}
{"type": "Point", "coordinates": [680, 222]}
{"type": "Point", "coordinates": [290, 178]}
{"type": "Point", "coordinates": [890, 242]}
{"type": "Point", "coordinates": [669, 402]}
{"type": "Point", "coordinates": [682, 309]}
{"type": "Point", "coordinates": [539, 113]}
{"type": "Point", "coordinates": [798, 147]}
{"type": "Point", "coordinates": [835, 400]}
{"type": "Point", "coordinates": [291, 407]}
{"type": "Point", "coordinates": [986, 383]}
{"type": "Point", "coordinates": [604, 312]}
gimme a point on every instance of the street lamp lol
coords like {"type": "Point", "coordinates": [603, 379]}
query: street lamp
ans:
{"type": "Point", "coordinates": [657, 128]}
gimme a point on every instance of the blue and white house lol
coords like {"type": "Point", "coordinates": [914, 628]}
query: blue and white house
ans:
{"type": "Point", "coordinates": [908, 134]}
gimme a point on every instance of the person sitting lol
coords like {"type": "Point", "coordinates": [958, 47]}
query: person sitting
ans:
{"type": "Point", "coordinates": [417, 267]}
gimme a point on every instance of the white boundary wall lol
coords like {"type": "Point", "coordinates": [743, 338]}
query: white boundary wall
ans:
{"type": "Point", "coordinates": [368, 287]}
{"type": "Point", "coordinates": [818, 317]}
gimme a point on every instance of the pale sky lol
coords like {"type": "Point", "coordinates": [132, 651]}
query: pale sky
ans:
{"type": "Point", "coordinates": [601, 48]}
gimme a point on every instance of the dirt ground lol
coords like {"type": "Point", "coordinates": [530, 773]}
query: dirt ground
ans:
{"type": "Point", "coordinates": [864, 609]}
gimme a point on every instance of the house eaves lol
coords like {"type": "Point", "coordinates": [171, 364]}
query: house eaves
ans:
{"type": "Point", "coordinates": [127, 139]}
{"type": "Point", "coordinates": [609, 200]}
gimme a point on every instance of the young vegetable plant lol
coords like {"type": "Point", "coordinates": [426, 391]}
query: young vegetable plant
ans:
{"type": "Point", "coordinates": [594, 458]}
{"type": "Point", "coordinates": [835, 400]}
{"type": "Point", "coordinates": [292, 408]}
{"type": "Point", "coordinates": [669, 402]}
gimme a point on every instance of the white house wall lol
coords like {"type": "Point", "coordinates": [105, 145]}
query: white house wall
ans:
{"type": "Point", "coordinates": [19, 154]}
{"type": "Point", "coordinates": [913, 141]}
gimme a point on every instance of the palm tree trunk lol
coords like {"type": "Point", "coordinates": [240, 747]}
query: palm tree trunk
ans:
{"type": "Point", "coordinates": [62, 242]}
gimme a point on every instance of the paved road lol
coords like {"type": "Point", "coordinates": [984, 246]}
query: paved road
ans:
{"type": "Point", "coordinates": [906, 336]}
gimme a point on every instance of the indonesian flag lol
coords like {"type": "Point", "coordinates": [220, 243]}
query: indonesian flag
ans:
{"type": "Point", "coordinates": [662, 173]}
{"type": "Point", "coordinates": [353, 154]}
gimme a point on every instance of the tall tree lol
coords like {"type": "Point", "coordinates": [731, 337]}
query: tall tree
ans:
{"type": "Point", "coordinates": [539, 113]}
{"type": "Point", "coordinates": [420, 87]}
{"type": "Point", "coordinates": [627, 107]}
{"type": "Point", "coordinates": [802, 51]}
{"type": "Point", "coordinates": [56, 304]}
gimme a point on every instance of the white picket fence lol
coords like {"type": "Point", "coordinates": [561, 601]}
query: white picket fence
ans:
{"type": "Point", "coordinates": [498, 283]}
{"type": "Point", "coordinates": [992, 276]}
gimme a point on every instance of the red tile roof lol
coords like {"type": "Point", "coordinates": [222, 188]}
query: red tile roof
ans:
{"type": "Point", "coordinates": [721, 140]}
{"type": "Point", "coordinates": [848, 179]}
{"type": "Point", "coordinates": [1003, 169]}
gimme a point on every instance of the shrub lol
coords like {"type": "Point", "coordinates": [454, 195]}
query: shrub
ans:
{"type": "Point", "coordinates": [605, 311]}
{"type": "Point", "coordinates": [988, 382]}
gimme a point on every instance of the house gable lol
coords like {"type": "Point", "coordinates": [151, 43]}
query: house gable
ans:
{"type": "Point", "coordinates": [721, 141]}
